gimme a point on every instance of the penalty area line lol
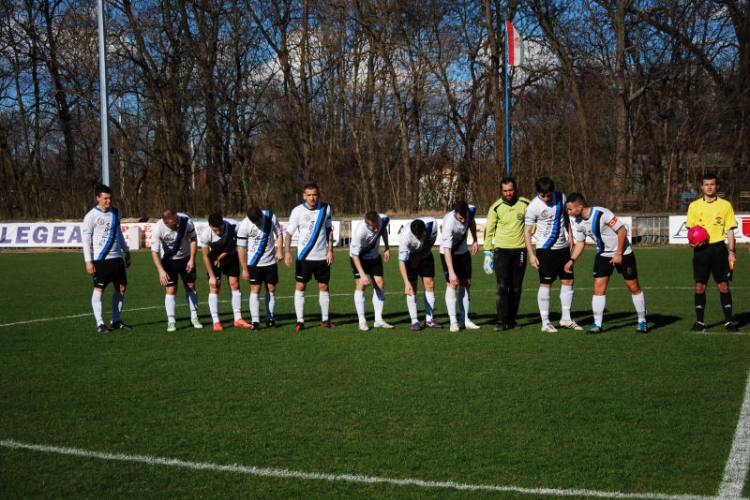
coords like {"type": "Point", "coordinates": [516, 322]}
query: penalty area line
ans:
{"type": "Point", "coordinates": [350, 478]}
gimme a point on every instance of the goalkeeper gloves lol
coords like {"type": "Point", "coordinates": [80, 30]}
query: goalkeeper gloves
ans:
{"type": "Point", "coordinates": [489, 264]}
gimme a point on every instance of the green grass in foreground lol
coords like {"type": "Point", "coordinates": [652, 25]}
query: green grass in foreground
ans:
{"type": "Point", "coordinates": [618, 412]}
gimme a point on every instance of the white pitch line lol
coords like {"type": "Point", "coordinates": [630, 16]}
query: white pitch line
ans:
{"type": "Point", "coordinates": [72, 316]}
{"type": "Point", "coordinates": [81, 315]}
{"type": "Point", "coordinates": [179, 305]}
{"type": "Point", "coordinates": [738, 462]}
{"type": "Point", "coordinates": [350, 478]}
{"type": "Point", "coordinates": [286, 297]}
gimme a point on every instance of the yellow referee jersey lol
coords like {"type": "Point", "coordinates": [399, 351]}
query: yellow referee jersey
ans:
{"type": "Point", "coordinates": [717, 217]}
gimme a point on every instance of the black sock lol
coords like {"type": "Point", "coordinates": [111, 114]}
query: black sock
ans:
{"type": "Point", "coordinates": [700, 306]}
{"type": "Point", "coordinates": [726, 305]}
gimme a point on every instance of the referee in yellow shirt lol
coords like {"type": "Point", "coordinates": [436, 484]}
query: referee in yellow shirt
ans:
{"type": "Point", "coordinates": [713, 257]}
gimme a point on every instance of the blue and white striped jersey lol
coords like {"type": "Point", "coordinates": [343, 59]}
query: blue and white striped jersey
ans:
{"type": "Point", "coordinates": [102, 236]}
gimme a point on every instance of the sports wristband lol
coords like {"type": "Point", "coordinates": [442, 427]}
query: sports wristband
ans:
{"type": "Point", "coordinates": [572, 259]}
{"type": "Point", "coordinates": [732, 250]}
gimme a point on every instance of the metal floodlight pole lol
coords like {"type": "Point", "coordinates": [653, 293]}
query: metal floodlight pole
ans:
{"type": "Point", "coordinates": [103, 93]}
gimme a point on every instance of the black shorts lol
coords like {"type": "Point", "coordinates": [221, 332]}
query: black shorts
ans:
{"type": "Point", "coordinates": [306, 269]}
{"type": "Point", "coordinates": [424, 268]}
{"type": "Point", "coordinates": [461, 265]}
{"type": "Point", "coordinates": [627, 268]}
{"type": "Point", "coordinates": [552, 265]}
{"type": "Point", "coordinates": [175, 268]}
{"type": "Point", "coordinates": [509, 263]}
{"type": "Point", "coordinates": [373, 267]}
{"type": "Point", "coordinates": [230, 266]}
{"type": "Point", "coordinates": [109, 271]}
{"type": "Point", "coordinates": [264, 274]}
{"type": "Point", "coordinates": [711, 260]}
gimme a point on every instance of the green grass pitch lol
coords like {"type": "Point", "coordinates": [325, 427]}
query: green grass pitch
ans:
{"type": "Point", "coordinates": [380, 414]}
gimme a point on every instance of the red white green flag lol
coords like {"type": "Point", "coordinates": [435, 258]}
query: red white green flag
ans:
{"type": "Point", "coordinates": [515, 45]}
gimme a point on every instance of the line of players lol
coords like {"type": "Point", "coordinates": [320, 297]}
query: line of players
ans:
{"type": "Point", "coordinates": [253, 247]}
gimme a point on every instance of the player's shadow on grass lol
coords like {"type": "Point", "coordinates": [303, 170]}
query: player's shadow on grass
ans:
{"type": "Point", "coordinates": [742, 319]}
{"type": "Point", "coordinates": [661, 320]}
{"type": "Point", "coordinates": [341, 319]}
{"type": "Point", "coordinates": [629, 320]}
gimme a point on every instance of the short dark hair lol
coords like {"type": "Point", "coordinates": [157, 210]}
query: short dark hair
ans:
{"type": "Point", "coordinates": [215, 220]}
{"type": "Point", "coordinates": [372, 216]}
{"type": "Point", "coordinates": [461, 208]}
{"type": "Point", "coordinates": [168, 213]}
{"type": "Point", "coordinates": [710, 176]}
{"type": "Point", "coordinates": [545, 185]}
{"type": "Point", "coordinates": [577, 199]}
{"type": "Point", "coordinates": [311, 185]}
{"type": "Point", "coordinates": [255, 215]}
{"type": "Point", "coordinates": [102, 188]}
{"type": "Point", "coordinates": [418, 228]}
{"type": "Point", "coordinates": [509, 180]}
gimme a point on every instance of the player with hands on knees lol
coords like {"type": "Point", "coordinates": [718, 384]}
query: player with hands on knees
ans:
{"type": "Point", "coordinates": [174, 245]}
{"type": "Point", "coordinates": [415, 259]}
{"type": "Point", "coordinates": [455, 258]}
{"type": "Point", "coordinates": [613, 252]}
{"type": "Point", "coordinates": [219, 249]}
{"type": "Point", "coordinates": [366, 262]}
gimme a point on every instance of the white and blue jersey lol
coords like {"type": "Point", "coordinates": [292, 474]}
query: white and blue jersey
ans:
{"type": "Point", "coordinates": [173, 244]}
{"type": "Point", "coordinates": [365, 242]}
{"type": "Point", "coordinates": [602, 227]}
{"type": "Point", "coordinates": [102, 236]}
{"type": "Point", "coordinates": [455, 232]}
{"type": "Point", "coordinates": [219, 244]}
{"type": "Point", "coordinates": [313, 225]}
{"type": "Point", "coordinates": [409, 245]}
{"type": "Point", "coordinates": [551, 230]}
{"type": "Point", "coordinates": [259, 241]}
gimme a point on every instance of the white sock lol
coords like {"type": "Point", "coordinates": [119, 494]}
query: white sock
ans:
{"type": "Point", "coordinates": [237, 304]}
{"type": "Point", "coordinates": [324, 299]}
{"type": "Point", "coordinates": [598, 303]}
{"type": "Point", "coordinates": [464, 299]}
{"type": "Point", "coordinates": [254, 307]}
{"type": "Point", "coordinates": [270, 304]}
{"type": "Point", "coordinates": [96, 305]}
{"type": "Point", "coordinates": [378, 303]}
{"type": "Point", "coordinates": [542, 300]}
{"type": "Point", "coordinates": [411, 305]}
{"type": "Point", "coordinates": [639, 301]}
{"type": "Point", "coordinates": [359, 305]}
{"type": "Point", "coordinates": [213, 306]}
{"type": "Point", "coordinates": [299, 305]}
{"type": "Point", "coordinates": [566, 300]}
{"type": "Point", "coordinates": [170, 304]}
{"type": "Point", "coordinates": [450, 303]}
{"type": "Point", "coordinates": [429, 305]}
{"type": "Point", "coordinates": [117, 300]}
{"type": "Point", "coordinates": [192, 299]}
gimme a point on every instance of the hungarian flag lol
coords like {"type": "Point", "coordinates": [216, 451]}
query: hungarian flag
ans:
{"type": "Point", "coordinates": [515, 45]}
